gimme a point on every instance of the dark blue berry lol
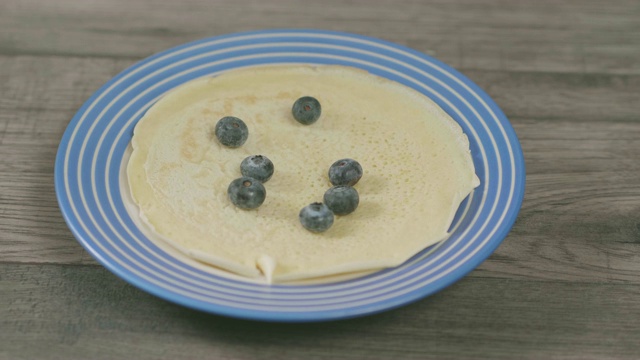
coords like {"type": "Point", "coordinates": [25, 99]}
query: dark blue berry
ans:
{"type": "Point", "coordinates": [345, 172]}
{"type": "Point", "coordinates": [306, 110]}
{"type": "Point", "coordinates": [231, 131]}
{"type": "Point", "coordinates": [316, 217]}
{"type": "Point", "coordinates": [246, 193]}
{"type": "Point", "coordinates": [342, 200]}
{"type": "Point", "coordinates": [258, 167]}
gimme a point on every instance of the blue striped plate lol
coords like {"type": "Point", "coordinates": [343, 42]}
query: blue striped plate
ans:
{"type": "Point", "coordinates": [94, 147]}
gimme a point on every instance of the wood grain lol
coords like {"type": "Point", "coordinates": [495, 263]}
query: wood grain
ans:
{"type": "Point", "coordinates": [563, 285]}
{"type": "Point", "coordinates": [35, 109]}
{"type": "Point", "coordinates": [92, 314]}
{"type": "Point", "coordinates": [548, 36]}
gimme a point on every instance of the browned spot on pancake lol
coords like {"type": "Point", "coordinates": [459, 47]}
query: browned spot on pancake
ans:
{"type": "Point", "coordinates": [206, 112]}
{"type": "Point", "coordinates": [164, 172]}
{"type": "Point", "coordinates": [168, 167]}
{"type": "Point", "coordinates": [189, 148]}
{"type": "Point", "coordinates": [285, 95]}
{"type": "Point", "coordinates": [228, 107]}
{"type": "Point", "coordinates": [203, 173]}
{"type": "Point", "coordinates": [251, 99]}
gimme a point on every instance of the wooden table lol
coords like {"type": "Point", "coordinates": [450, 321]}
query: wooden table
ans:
{"type": "Point", "coordinates": [565, 284]}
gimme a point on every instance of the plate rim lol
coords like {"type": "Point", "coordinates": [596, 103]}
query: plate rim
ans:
{"type": "Point", "coordinates": [497, 238]}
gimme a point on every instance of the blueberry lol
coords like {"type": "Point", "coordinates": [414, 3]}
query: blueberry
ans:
{"type": "Point", "coordinates": [316, 217]}
{"type": "Point", "coordinates": [258, 167]}
{"type": "Point", "coordinates": [342, 200]}
{"type": "Point", "coordinates": [345, 172]}
{"type": "Point", "coordinates": [231, 131]}
{"type": "Point", "coordinates": [306, 110]}
{"type": "Point", "coordinates": [246, 193]}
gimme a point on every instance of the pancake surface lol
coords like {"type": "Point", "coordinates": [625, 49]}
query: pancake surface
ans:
{"type": "Point", "coordinates": [416, 161]}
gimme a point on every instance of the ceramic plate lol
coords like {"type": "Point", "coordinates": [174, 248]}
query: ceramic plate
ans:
{"type": "Point", "coordinates": [94, 148]}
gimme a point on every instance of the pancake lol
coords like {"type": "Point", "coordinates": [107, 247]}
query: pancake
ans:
{"type": "Point", "coordinates": [416, 160]}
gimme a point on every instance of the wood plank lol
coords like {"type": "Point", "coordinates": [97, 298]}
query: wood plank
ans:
{"type": "Point", "coordinates": [579, 218]}
{"type": "Point", "coordinates": [581, 97]}
{"type": "Point", "coordinates": [79, 312]}
{"type": "Point", "coordinates": [35, 109]}
{"type": "Point", "coordinates": [541, 36]}
{"type": "Point", "coordinates": [46, 84]}
{"type": "Point", "coordinates": [578, 97]}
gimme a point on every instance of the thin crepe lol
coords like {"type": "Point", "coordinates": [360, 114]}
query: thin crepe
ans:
{"type": "Point", "coordinates": [416, 160]}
